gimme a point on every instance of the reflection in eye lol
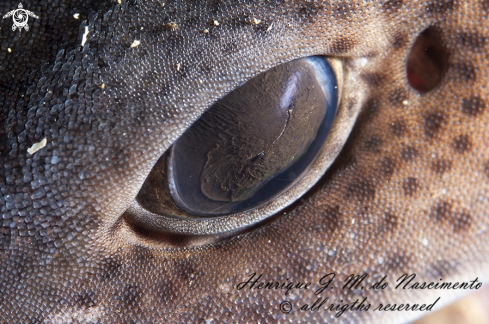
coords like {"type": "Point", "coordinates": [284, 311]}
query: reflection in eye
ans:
{"type": "Point", "coordinates": [256, 142]}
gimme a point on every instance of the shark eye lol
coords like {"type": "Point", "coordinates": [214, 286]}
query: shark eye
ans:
{"type": "Point", "coordinates": [249, 155]}
{"type": "Point", "coordinates": [255, 142]}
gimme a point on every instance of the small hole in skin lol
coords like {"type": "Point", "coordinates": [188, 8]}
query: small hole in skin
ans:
{"type": "Point", "coordinates": [427, 61]}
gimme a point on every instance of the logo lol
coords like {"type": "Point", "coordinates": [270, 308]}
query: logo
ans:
{"type": "Point", "coordinates": [20, 17]}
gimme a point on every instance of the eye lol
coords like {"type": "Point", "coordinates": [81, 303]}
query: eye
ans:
{"type": "Point", "coordinates": [255, 142]}
{"type": "Point", "coordinates": [252, 153]}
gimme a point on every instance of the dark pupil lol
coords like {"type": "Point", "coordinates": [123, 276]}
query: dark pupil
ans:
{"type": "Point", "coordinates": [255, 142]}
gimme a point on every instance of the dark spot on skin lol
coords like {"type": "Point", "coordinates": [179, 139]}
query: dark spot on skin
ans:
{"type": "Point", "coordinates": [374, 79]}
{"type": "Point", "coordinates": [473, 106]}
{"type": "Point", "coordinates": [230, 48]}
{"type": "Point", "coordinates": [398, 128]}
{"type": "Point", "coordinates": [461, 221]}
{"type": "Point", "coordinates": [370, 109]}
{"type": "Point", "coordinates": [131, 295]}
{"type": "Point", "coordinates": [85, 299]}
{"type": "Point", "coordinates": [485, 5]}
{"type": "Point", "coordinates": [332, 218]}
{"type": "Point", "coordinates": [111, 269]}
{"type": "Point", "coordinates": [389, 223]}
{"type": "Point", "coordinates": [342, 45]}
{"type": "Point", "coordinates": [441, 166]}
{"type": "Point", "coordinates": [433, 122]}
{"type": "Point", "coordinates": [486, 169]}
{"type": "Point", "coordinates": [409, 186]}
{"type": "Point", "coordinates": [351, 104]}
{"type": "Point", "coordinates": [362, 189]}
{"type": "Point", "coordinates": [392, 5]}
{"type": "Point", "coordinates": [441, 212]}
{"type": "Point", "coordinates": [409, 153]}
{"type": "Point", "coordinates": [373, 144]}
{"type": "Point", "coordinates": [398, 96]}
{"type": "Point", "coordinates": [387, 166]}
{"type": "Point", "coordinates": [472, 40]}
{"type": "Point", "coordinates": [441, 268]}
{"type": "Point", "coordinates": [399, 41]}
{"type": "Point", "coordinates": [166, 291]}
{"type": "Point", "coordinates": [186, 270]}
{"type": "Point", "coordinates": [142, 254]}
{"type": "Point", "coordinates": [465, 71]}
{"type": "Point", "coordinates": [462, 143]}
{"type": "Point", "coordinates": [440, 6]}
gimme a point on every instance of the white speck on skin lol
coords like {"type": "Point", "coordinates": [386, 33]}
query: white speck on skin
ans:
{"type": "Point", "coordinates": [425, 242]}
{"type": "Point", "coordinates": [405, 102]}
{"type": "Point", "coordinates": [216, 23]}
{"type": "Point", "coordinates": [380, 260]}
{"type": "Point", "coordinates": [256, 21]}
{"type": "Point", "coordinates": [102, 86]}
{"type": "Point", "coordinates": [135, 43]}
{"type": "Point", "coordinates": [200, 81]}
{"type": "Point", "coordinates": [178, 66]}
{"type": "Point", "coordinates": [270, 27]}
{"type": "Point", "coordinates": [173, 26]}
{"type": "Point", "coordinates": [9, 50]}
{"type": "Point", "coordinates": [84, 39]}
{"type": "Point", "coordinates": [119, 1]}
{"type": "Point", "coordinates": [76, 16]}
{"type": "Point", "coordinates": [206, 31]}
{"type": "Point", "coordinates": [37, 146]}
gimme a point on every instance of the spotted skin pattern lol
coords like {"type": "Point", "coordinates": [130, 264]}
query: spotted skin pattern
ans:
{"type": "Point", "coordinates": [408, 192]}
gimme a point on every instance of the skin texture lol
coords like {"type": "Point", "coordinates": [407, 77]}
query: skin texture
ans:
{"type": "Point", "coordinates": [407, 193]}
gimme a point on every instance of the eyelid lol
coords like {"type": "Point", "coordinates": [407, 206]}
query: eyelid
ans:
{"type": "Point", "coordinates": [188, 224]}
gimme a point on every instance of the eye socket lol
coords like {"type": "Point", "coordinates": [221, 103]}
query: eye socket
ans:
{"type": "Point", "coordinates": [252, 153]}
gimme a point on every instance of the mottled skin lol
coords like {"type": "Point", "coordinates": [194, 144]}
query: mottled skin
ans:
{"type": "Point", "coordinates": [408, 193]}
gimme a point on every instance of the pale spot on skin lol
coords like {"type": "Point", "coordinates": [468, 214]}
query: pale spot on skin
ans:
{"type": "Point", "coordinates": [216, 23]}
{"type": "Point", "coordinates": [173, 26]}
{"type": "Point", "coordinates": [84, 39]}
{"type": "Point", "coordinates": [9, 50]}
{"type": "Point", "coordinates": [135, 43]}
{"type": "Point", "coordinates": [76, 16]}
{"type": "Point", "coordinates": [37, 146]}
{"type": "Point", "coordinates": [89, 315]}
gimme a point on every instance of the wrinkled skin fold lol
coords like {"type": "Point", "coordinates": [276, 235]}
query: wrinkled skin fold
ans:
{"type": "Point", "coordinates": [407, 194]}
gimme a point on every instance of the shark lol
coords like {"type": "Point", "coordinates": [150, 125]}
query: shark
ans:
{"type": "Point", "coordinates": [387, 223]}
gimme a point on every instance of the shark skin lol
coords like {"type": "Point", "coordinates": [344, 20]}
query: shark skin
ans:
{"type": "Point", "coordinates": [105, 88]}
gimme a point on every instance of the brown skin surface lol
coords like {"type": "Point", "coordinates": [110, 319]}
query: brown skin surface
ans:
{"type": "Point", "coordinates": [407, 194]}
